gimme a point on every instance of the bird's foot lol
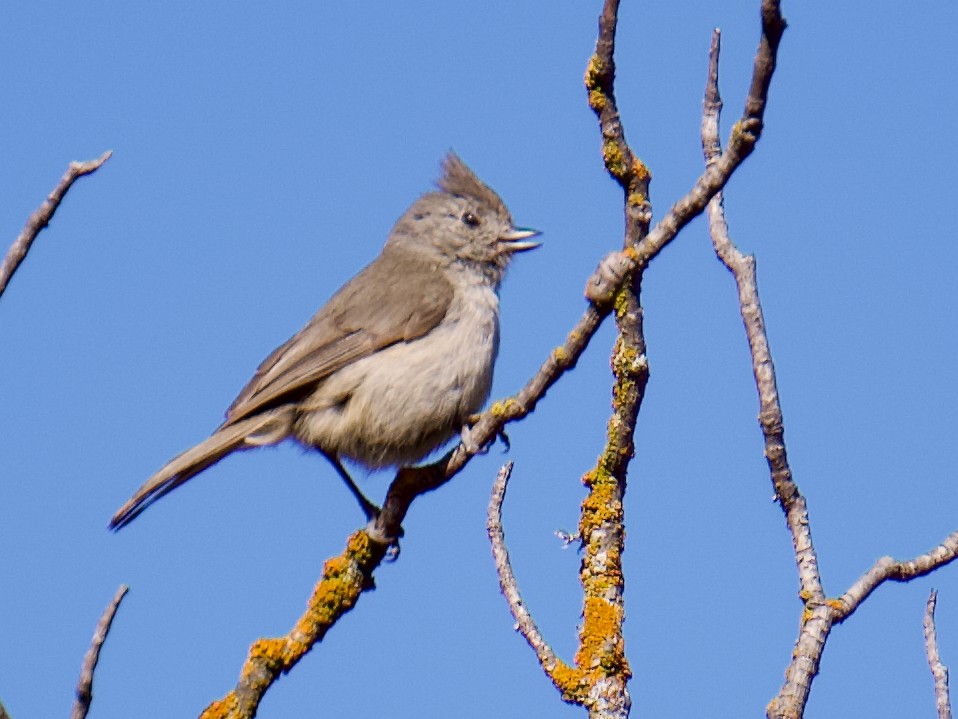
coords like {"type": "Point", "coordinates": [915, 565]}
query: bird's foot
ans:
{"type": "Point", "coordinates": [469, 442]}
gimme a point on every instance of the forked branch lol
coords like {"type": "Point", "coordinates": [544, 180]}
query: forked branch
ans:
{"type": "Point", "coordinates": [819, 614]}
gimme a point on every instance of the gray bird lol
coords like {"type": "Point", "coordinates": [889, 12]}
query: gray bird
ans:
{"type": "Point", "coordinates": [396, 361]}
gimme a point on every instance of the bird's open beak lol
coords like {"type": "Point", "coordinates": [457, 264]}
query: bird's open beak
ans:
{"type": "Point", "coordinates": [516, 240]}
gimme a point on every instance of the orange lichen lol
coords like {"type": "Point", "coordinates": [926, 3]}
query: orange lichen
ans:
{"type": "Point", "coordinates": [343, 581]}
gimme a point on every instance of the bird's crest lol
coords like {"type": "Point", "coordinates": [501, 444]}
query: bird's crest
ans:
{"type": "Point", "coordinates": [458, 179]}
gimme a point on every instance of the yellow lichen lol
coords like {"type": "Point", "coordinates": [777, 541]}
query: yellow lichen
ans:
{"type": "Point", "coordinates": [614, 159]}
{"type": "Point", "coordinates": [594, 70]}
{"type": "Point", "coordinates": [597, 100]}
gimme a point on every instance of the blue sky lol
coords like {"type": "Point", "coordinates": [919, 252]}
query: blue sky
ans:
{"type": "Point", "coordinates": [263, 151]}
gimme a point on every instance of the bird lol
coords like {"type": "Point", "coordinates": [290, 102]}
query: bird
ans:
{"type": "Point", "coordinates": [395, 363]}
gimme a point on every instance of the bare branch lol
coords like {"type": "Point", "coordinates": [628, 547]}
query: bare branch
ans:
{"type": "Point", "coordinates": [770, 415]}
{"type": "Point", "coordinates": [42, 216]}
{"type": "Point", "coordinates": [938, 670]}
{"type": "Point", "coordinates": [84, 690]}
{"type": "Point", "coordinates": [817, 618]}
{"type": "Point", "coordinates": [525, 624]}
{"type": "Point", "coordinates": [887, 568]}
{"type": "Point", "coordinates": [820, 614]}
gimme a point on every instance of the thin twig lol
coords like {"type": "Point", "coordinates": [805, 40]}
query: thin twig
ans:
{"type": "Point", "coordinates": [42, 216]}
{"type": "Point", "coordinates": [745, 134]}
{"type": "Point", "coordinates": [818, 617]}
{"type": "Point", "coordinates": [886, 569]}
{"type": "Point", "coordinates": [742, 267]}
{"type": "Point", "coordinates": [938, 670]}
{"type": "Point", "coordinates": [84, 690]}
{"type": "Point", "coordinates": [525, 624]}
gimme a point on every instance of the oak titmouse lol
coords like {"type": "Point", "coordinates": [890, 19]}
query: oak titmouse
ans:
{"type": "Point", "coordinates": [397, 360]}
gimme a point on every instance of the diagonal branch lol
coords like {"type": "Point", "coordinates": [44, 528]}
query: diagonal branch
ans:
{"type": "Point", "coordinates": [84, 690]}
{"type": "Point", "coordinates": [42, 216]}
{"type": "Point", "coordinates": [344, 578]}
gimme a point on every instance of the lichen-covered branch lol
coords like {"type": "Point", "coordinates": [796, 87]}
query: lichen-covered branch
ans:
{"type": "Point", "coordinates": [42, 215]}
{"type": "Point", "coordinates": [84, 690]}
{"type": "Point", "coordinates": [624, 167]}
{"type": "Point", "coordinates": [344, 578]}
{"type": "Point", "coordinates": [938, 670]}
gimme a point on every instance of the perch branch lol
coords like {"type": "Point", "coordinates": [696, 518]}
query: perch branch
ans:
{"type": "Point", "coordinates": [42, 215]}
{"type": "Point", "coordinates": [84, 690]}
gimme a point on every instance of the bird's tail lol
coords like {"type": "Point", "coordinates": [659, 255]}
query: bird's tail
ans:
{"type": "Point", "coordinates": [183, 467]}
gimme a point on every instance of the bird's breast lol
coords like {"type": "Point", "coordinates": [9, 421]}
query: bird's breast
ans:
{"type": "Point", "coordinates": [402, 402]}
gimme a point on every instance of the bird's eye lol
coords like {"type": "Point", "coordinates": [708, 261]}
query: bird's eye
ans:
{"type": "Point", "coordinates": [470, 219]}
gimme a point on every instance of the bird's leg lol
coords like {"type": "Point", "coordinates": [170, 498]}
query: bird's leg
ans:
{"type": "Point", "coordinates": [465, 435]}
{"type": "Point", "coordinates": [369, 509]}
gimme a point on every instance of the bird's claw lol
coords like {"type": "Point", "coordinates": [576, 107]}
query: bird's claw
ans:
{"type": "Point", "coordinates": [469, 442]}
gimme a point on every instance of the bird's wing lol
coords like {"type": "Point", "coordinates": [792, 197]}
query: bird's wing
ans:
{"type": "Point", "coordinates": [389, 301]}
